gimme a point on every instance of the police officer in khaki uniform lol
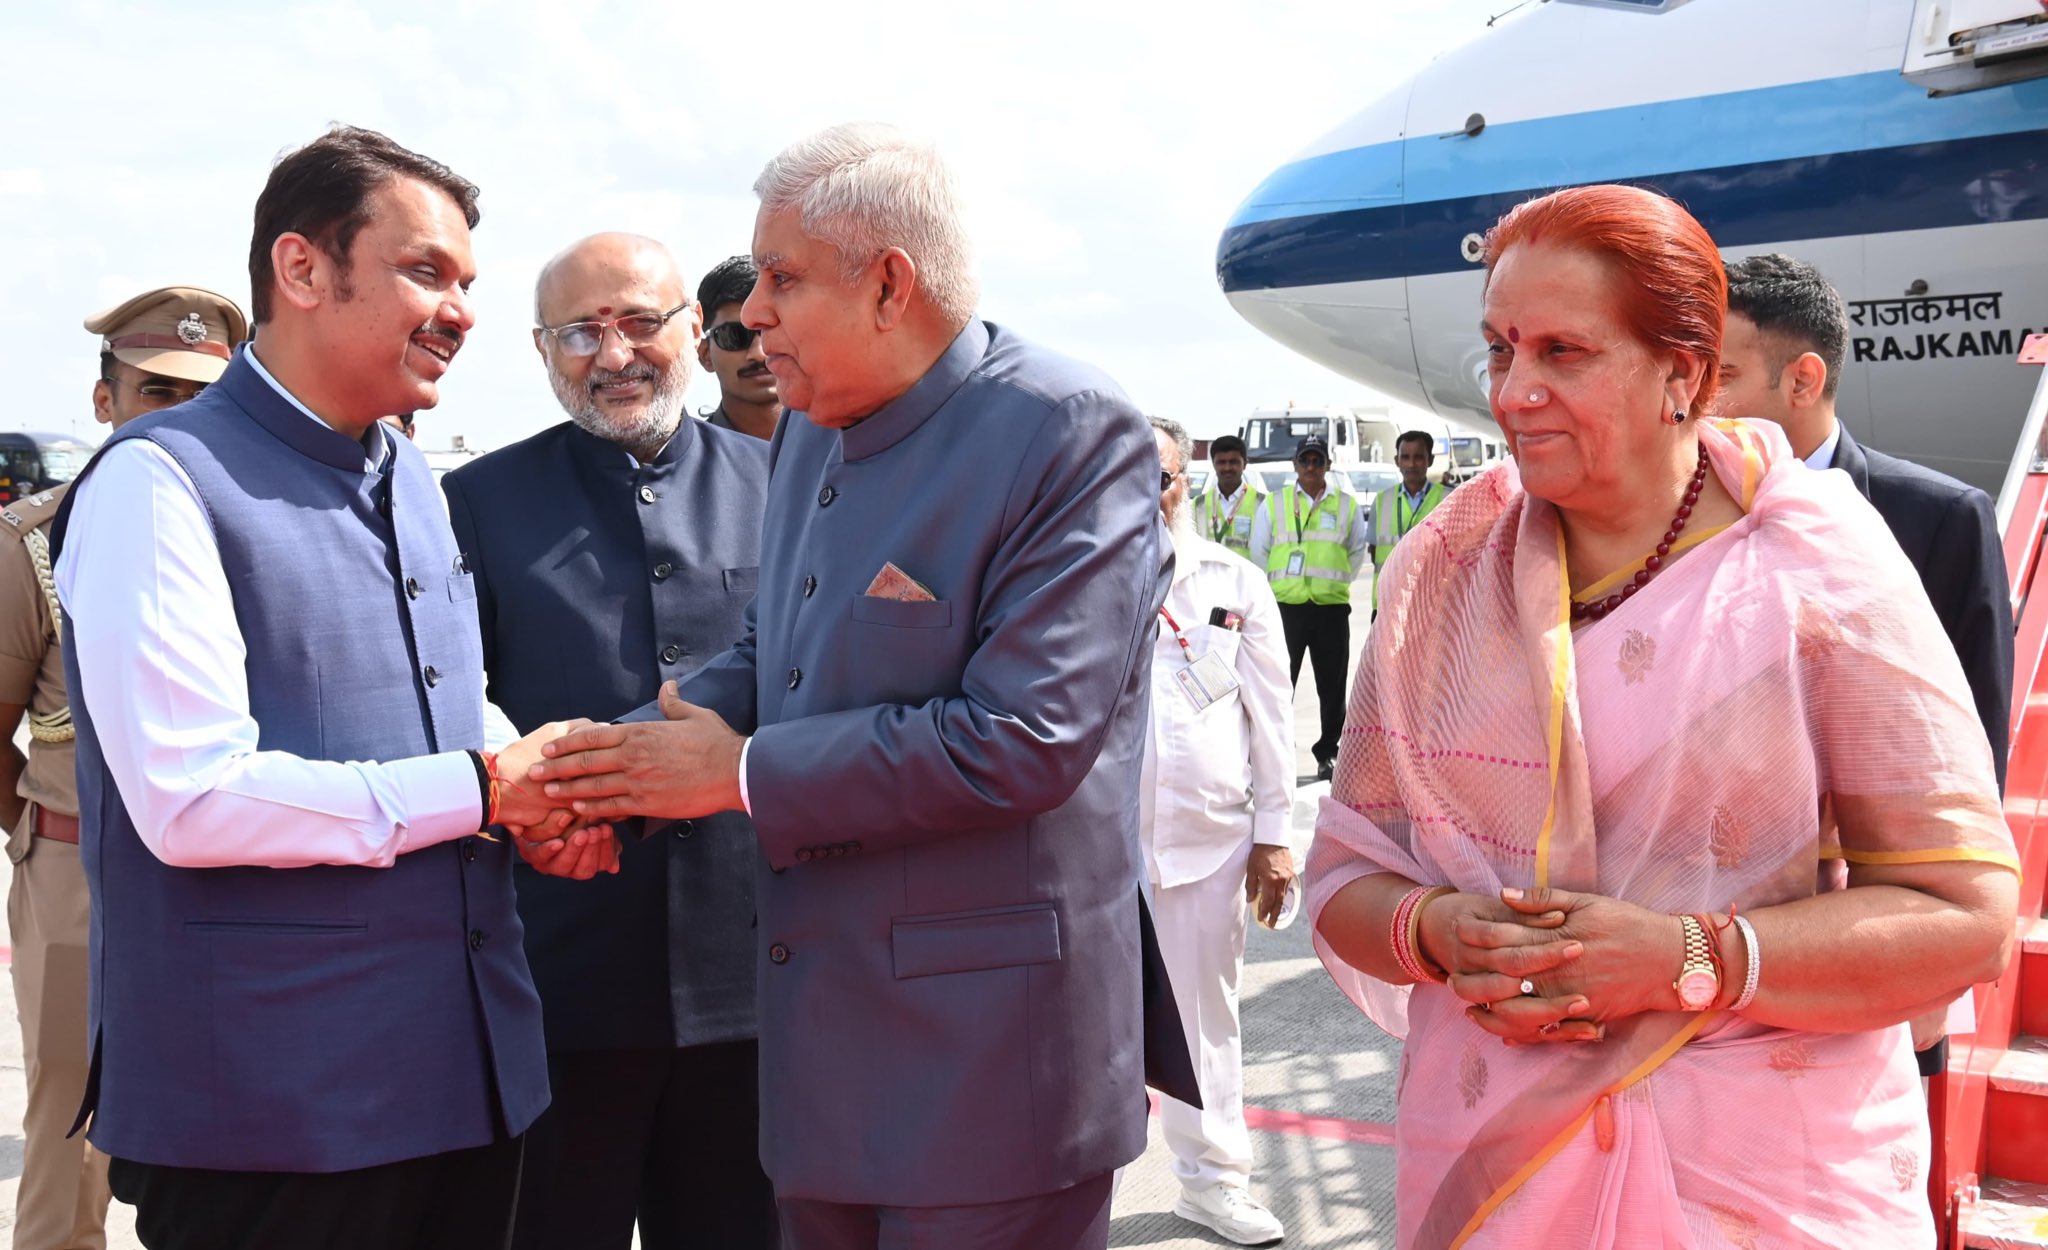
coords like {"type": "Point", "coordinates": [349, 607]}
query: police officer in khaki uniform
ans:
{"type": "Point", "coordinates": [160, 348]}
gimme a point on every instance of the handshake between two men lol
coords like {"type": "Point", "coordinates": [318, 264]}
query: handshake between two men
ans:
{"type": "Point", "coordinates": [560, 786]}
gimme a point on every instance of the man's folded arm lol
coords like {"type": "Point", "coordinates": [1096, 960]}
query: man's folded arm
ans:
{"type": "Point", "coordinates": [161, 661]}
{"type": "Point", "coordinates": [1064, 609]}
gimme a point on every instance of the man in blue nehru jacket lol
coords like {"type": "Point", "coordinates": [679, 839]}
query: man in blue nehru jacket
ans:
{"type": "Point", "coordinates": [611, 552]}
{"type": "Point", "coordinates": [312, 1023]}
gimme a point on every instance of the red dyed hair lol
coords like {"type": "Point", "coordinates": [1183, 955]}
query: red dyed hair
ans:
{"type": "Point", "coordinates": [1675, 289]}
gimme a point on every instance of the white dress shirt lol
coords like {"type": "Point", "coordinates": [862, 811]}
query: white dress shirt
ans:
{"type": "Point", "coordinates": [161, 658]}
{"type": "Point", "coordinates": [1357, 539]}
{"type": "Point", "coordinates": [1230, 509]}
{"type": "Point", "coordinates": [1215, 778]}
{"type": "Point", "coordinates": [1823, 456]}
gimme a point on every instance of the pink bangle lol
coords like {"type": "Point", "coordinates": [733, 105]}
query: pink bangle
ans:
{"type": "Point", "coordinates": [1403, 935]}
{"type": "Point", "coordinates": [1397, 931]}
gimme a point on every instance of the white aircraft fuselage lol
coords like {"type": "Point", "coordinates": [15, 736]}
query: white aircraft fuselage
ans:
{"type": "Point", "coordinates": [1784, 127]}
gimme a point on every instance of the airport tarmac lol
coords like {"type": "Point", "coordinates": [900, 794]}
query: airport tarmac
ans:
{"type": "Point", "coordinates": [1319, 1094]}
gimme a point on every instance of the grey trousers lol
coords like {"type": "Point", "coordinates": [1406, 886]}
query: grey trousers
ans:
{"type": "Point", "coordinates": [1075, 1218]}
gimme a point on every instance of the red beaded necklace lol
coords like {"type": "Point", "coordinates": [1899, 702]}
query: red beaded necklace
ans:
{"type": "Point", "coordinates": [1651, 564]}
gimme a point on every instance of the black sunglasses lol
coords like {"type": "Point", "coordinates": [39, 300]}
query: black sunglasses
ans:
{"type": "Point", "coordinates": [731, 336]}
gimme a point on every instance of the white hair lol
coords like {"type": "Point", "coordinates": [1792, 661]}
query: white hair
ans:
{"type": "Point", "coordinates": [865, 187]}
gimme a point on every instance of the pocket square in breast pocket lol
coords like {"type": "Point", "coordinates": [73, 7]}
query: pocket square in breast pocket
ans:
{"type": "Point", "coordinates": [894, 583]}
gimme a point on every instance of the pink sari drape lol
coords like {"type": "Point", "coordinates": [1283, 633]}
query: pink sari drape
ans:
{"type": "Point", "coordinates": [1777, 703]}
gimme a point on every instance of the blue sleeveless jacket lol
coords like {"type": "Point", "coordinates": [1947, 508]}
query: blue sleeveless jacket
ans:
{"type": "Point", "coordinates": [326, 1018]}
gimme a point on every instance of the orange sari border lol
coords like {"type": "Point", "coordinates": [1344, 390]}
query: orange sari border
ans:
{"type": "Point", "coordinates": [1536, 1162]}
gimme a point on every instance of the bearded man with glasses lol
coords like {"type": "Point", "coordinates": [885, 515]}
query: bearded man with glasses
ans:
{"type": "Point", "coordinates": [614, 552]}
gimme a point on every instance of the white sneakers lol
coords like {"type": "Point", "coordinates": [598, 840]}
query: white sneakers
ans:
{"type": "Point", "coordinates": [1229, 1211]}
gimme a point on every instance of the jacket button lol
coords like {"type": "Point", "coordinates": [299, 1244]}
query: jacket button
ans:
{"type": "Point", "coordinates": [662, 570]}
{"type": "Point", "coordinates": [412, 587]}
{"type": "Point", "coordinates": [778, 954]}
{"type": "Point", "coordinates": [810, 586]}
{"type": "Point", "coordinates": [796, 676]}
{"type": "Point", "coordinates": [671, 653]}
{"type": "Point", "coordinates": [803, 854]}
{"type": "Point", "coordinates": [433, 675]}
{"type": "Point", "coordinates": [826, 496]}
{"type": "Point", "coordinates": [684, 828]}
{"type": "Point", "coordinates": [476, 939]}
{"type": "Point", "coordinates": [646, 494]}
{"type": "Point", "coordinates": [469, 850]}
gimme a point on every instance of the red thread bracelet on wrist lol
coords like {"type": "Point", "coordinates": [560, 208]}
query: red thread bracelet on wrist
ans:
{"type": "Point", "coordinates": [491, 771]}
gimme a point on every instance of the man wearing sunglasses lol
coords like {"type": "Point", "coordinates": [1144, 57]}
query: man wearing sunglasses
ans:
{"type": "Point", "coordinates": [1311, 541]}
{"type": "Point", "coordinates": [613, 552]}
{"type": "Point", "coordinates": [747, 397]}
{"type": "Point", "coordinates": [160, 348]}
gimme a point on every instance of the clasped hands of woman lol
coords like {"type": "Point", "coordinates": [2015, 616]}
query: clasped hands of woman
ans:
{"type": "Point", "coordinates": [1588, 960]}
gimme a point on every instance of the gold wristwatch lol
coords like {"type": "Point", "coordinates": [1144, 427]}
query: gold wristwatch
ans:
{"type": "Point", "coordinates": [1699, 981]}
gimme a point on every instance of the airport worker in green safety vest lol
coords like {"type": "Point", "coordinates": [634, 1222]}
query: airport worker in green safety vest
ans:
{"type": "Point", "coordinates": [1311, 540]}
{"type": "Point", "coordinates": [1398, 509]}
{"type": "Point", "coordinates": [1225, 512]}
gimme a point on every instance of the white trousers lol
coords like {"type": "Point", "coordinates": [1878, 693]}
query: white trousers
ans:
{"type": "Point", "coordinates": [1201, 937]}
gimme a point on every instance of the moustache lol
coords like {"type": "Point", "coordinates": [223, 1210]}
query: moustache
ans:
{"type": "Point", "coordinates": [452, 335]}
{"type": "Point", "coordinates": [605, 377]}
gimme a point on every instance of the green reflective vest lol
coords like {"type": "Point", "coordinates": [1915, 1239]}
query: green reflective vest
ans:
{"type": "Point", "coordinates": [1323, 572]}
{"type": "Point", "coordinates": [1230, 527]}
{"type": "Point", "coordinates": [1392, 518]}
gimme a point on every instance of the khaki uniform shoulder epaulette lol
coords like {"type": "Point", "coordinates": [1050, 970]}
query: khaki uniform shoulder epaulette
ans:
{"type": "Point", "coordinates": [24, 516]}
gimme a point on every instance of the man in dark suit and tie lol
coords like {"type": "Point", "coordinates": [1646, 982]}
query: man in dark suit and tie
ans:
{"type": "Point", "coordinates": [937, 722]}
{"type": "Point", "coordinates": [1781, 357]}
{"type": "Point", "coordinates": [613, 552]}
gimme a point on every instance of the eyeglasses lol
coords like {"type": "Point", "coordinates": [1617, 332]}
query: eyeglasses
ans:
{"type": "Point", "coordinates": [1312, 462]}
{"type": "Point", "coordinates": [1166, 481]}
{"type": "Point", "coordinates": [584, 338]}
{"type": "Point", "coordinates": [159, 392]}
{"type": "Point", "coordinates": [732, 336]}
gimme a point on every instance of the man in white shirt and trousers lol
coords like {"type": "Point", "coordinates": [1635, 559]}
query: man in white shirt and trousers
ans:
{"type": "Point", "coordinates": [1214, 820]}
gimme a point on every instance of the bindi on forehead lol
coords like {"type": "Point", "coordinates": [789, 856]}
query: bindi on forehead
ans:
{"type": "Point", "coordinates": [1514, 334]}
{"type": "Point", "coordinates": [605, 311]}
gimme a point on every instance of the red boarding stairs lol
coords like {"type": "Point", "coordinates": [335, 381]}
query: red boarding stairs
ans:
{"type": "Point", "coordinates": [1989, 1180]}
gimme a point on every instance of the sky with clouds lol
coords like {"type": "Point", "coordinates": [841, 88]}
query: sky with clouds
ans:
{"type": "Point", "coordinates": [1101, 145]}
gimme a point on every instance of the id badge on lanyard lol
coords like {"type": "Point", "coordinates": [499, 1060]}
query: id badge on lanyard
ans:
{"type": "Point", "coordinates": [1297, 559]}
{"type": "Point", "coordinates": [1205, 681]}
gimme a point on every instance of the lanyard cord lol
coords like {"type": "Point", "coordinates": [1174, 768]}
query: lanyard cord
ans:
{"type": "Point", "coordinates": [1178, 637]}
{"type": "Point", "coordinates": [1302, 518]}
{"type": "Point", "coordinates": [1222, 526]}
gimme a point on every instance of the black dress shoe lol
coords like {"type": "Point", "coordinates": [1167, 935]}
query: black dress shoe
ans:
{"type": "Point", "coordinates": [1325, 769]}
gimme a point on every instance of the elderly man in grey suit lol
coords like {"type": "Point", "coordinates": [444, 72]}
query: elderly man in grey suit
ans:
{"type": "Point", "coordinates": [612, 552]}
{"type": "Point", "coordinates": [945, 692]}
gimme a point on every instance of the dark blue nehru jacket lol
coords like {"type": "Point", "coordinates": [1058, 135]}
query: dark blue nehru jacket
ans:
{"type": "Point", "coordinates": [326, 1018]}
{"type": "Point", "coordinates": [599, 578]}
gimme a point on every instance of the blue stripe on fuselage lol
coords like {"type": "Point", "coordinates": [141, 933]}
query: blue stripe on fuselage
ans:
{"type": "Point", "coordinates": [1963, 182]}
{"type": "Point", "coordinates": [1801, 119]}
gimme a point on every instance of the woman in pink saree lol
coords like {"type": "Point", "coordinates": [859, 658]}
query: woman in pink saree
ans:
{"type": "Point", "coordinates": [1649, 885]}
